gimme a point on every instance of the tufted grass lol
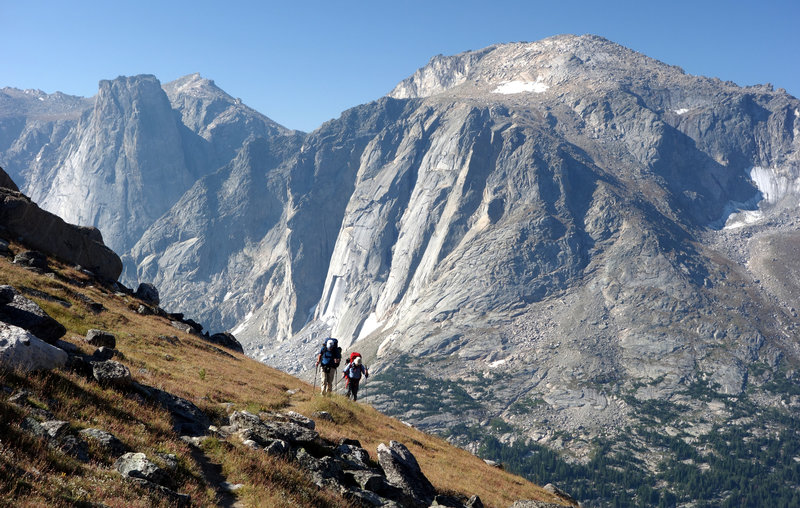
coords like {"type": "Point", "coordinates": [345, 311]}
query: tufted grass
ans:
{"type": "Point", "coordinates": [216, 380]}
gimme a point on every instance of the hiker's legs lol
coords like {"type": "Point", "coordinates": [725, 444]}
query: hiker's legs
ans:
{"type": "Point", "coordinates": [354, 388]}
{"type": "Point", "coordinates": [327, 382]}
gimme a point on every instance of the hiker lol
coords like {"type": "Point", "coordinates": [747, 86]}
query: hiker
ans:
{"type": "Point", "coordinates": [352, 374]}
{"type": "Point", "coordinates": [329, 357]}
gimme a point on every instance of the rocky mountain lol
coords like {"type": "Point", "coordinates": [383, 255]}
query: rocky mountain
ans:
{"type": "Point", "coordinates": [119, 160]}
{"type": "Point", "coordinates": [555, 234]}
{"type": "Point", "coordinates": [561, 243]}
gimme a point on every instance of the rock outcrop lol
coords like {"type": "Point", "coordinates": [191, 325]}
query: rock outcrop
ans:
{"type": "Point", "coordinates": [46, 232]}
{"type": "Point", "coordinates": [22, 312]}
{"type": "Point", "coordinates": [22, 350]}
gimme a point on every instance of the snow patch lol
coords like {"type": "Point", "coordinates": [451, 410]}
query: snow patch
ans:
{"type": "Point", "coordinates": [370, 325]}
{"type": "Point", "coordinates": [497, 363]}
{"type": "Point", "coordinates": [336, 298]}
{"type": "Point", "coordinates": [743, 218]}
{"type": "Point", "coordinates": [512, 87]}
{"type": "Point", "coordinates": [227, 296]}
{"type": "Point", "coordinates": [681, 111]}
{"type": "Point", "coordinates": [239, 329]}
{"type": "Point", "coordinates": [775, 183]}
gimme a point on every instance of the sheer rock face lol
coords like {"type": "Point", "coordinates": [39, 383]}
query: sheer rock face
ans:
{"type": "Point", "coordinates": [121, 159]}
{"type": "Point", "coordinates": [564, 211]}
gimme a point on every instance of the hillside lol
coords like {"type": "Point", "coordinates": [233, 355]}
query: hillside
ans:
{"type": "Point", "coordinates": [218, 382]}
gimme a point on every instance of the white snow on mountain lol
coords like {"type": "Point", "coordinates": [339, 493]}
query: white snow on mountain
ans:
{"type": "Point", "coordinates": [512, 87]}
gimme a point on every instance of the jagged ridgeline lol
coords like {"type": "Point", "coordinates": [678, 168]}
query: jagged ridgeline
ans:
{"type": "Point", "coordinates": [572, 247]}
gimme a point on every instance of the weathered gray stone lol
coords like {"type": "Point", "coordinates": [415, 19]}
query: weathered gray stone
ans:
{"type": "Point", "coordinates": [560, 493]}
{"type": "Point", "coordinates": [186, 328]}
{"type": "Point", "coordinates": [354, 457]}
{"type": "Point", "coordinates": [26, 314]}
{"type": "Point", "coordinates": [137, 465]}
{"type": "Point", "coordinates": [105, 440]}
{"type": "Point", "coordinates": [101, 338]}
{"type": "Point", "coordinates": [31, 258]}
{"type": "Point", "coordinates": [264, 432]}
{"type": "Point", "coordinates": [148, 293]}
{"type": "Point", "coordinates": [277, 447]}
{"type": "Point", "coordinates": [403, 471]}
{"type": "Point", "coordinates": [111, 373]}
{"type": "Point", "coordinates": [325, 472]}
{"type": "Point", "coordinates": [188, 420]}
{"type": "Point", "coordinates": [474, 502]}
{"type": "Point", "coordinates": [55, 428]}
{"type": "Point", "coordinates": [527, 503]}
{"type": "Point", "coordinates": [20, 349]}
{"type": "Point", "coordinates": [226, 340]}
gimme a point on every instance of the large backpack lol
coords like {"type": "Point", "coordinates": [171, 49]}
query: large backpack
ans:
{"type": "Point", "coordinates": [353, 356]}
{"type": "Point", "coordinates": [355, 371]}
{"type": "Point", "coordinates": [330, 355]}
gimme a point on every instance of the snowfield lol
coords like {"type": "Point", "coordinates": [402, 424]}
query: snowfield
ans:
{"type": "Point", "coordinates": [512, 87]}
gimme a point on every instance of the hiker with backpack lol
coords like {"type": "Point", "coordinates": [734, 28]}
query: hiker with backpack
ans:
{"type": "Point", "coordinates": [328, 358]}
{"type": "Point", "coordinates": [352, 374]}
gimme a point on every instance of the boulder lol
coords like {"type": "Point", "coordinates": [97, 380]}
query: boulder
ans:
{"type": "Point", "coordinates": [403, 471]}
{"type": "Point", "coordinates": [185, 328]}
{"type": "Point", "coordinates": [111, 373]}
{"type": "Point", "coordinates": [100, 338]}
{"type": "Point", "coordinates": [5, 249]}
{"type": "Point", "coordinates": [474, 502]}
{"type": "Point", "coordinates": [325, 472]}
{"type": "Point", "coordinates": [527, 503]}
{"type": "Point", "coordinates": [148, 293]}
{"type": "Point", "coordinates": [6, 294]}
{"type": "Point", "coordinates": [26, 314]}
{"type": "Point", "coordinates": [105, 440]}
{"type": "Point", "coordinates": [187, 419]}
{"type": "Point", "coordinates": [227, 340]}
{"type": "Point", "coordinates": [354, 457]}
{"type": "Point", "coordinates": [48, 233]}
{"type": "Point", "coordinates": [560, 493]}
{"type": "Point", "coordinates": [371, 481]}
{"type": "Point", "coordinates": [277, 447]}
{"type": "Point", "coordinates": [19, 349]}
{"type": "Point", "coordinates": [137, 465]}
{"type": "Point", "coordinates": [31, 258]}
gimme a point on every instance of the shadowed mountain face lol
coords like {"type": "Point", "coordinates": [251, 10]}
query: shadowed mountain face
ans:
{"type": "Point", "coordinates": [565, 231]}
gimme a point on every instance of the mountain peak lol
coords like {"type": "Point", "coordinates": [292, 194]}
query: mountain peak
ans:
{"type": "Point", "coordinates": [194, 85]}
{"type": "Point", "coordinates": [558, 61]}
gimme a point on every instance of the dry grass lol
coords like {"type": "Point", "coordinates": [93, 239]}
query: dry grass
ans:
{"type": "Point", "coordinates": [158, 355]}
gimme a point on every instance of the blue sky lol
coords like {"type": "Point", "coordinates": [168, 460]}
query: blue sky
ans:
{"type": "Point", "coordinates": [302, 63]}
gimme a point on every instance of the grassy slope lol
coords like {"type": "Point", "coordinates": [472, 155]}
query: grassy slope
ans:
{"type": "Point", "coordinates": [32, 474]}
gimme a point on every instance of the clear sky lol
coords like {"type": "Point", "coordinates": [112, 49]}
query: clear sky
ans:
{"type": "Point", "coordinates": [304, 62]}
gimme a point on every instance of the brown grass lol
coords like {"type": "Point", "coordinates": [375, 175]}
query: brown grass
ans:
{"type": "Point", "coordinates": [31, 474]}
